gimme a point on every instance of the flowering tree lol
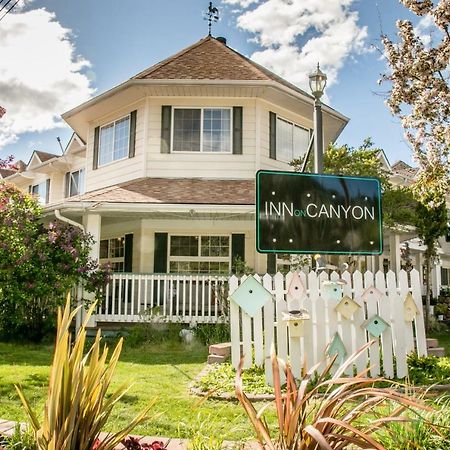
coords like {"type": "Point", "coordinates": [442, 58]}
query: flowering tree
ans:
{"type": "Point", "coordinates": [38, 265]}
{"type": "Point", "coordinates": [420, 96]}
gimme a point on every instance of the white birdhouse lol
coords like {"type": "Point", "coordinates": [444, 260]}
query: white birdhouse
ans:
{"type": "Point", "coordinates": [296, 289]}
{"type": "Point", "coordinates": [371, 293]}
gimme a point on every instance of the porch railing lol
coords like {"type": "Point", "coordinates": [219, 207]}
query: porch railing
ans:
{"type": "Point", "coordinates": [133, 297]}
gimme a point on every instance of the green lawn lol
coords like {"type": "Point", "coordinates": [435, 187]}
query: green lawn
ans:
{"type": "Point", "coordinates": [444, 340]}
{"type": "Point", "coordinates": [156, 371]}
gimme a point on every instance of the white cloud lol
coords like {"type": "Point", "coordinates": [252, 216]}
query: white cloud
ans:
{"type": "Point", "coordinates": [240, 3]}
{"type": "Point", "coordinates": [295, 35]}
{"type": "Point", "coordinates": [43, 76]}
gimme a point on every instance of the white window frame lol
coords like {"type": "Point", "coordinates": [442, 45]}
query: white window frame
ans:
{"type": "Point", "coordinates": [42, 200]}
{"type": "Point", "coordinates": [83, 186]}
{"type": "Point", "coordinates": [293, 125]}
{"type": "Point", "coordinates": [114, 137]}
{"type": "Point", "coordinates": [202, 109]}
{"type": "Point", "coordinates": [119, 259]}
{"type": "Point", "coordinates": [199, 258]}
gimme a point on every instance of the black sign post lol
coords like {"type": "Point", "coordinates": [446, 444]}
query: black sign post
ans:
{"type": "Point", "coordinates": [315, 213]}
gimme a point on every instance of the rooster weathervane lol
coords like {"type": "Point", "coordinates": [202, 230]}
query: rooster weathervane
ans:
{"type": "Point", "coordinates": [212, 15]}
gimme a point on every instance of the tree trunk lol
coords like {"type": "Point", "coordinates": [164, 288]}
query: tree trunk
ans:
{"type": "Point", "coordinates": [428, 290]}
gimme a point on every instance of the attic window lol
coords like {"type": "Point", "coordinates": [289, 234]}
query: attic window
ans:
{"type": "Point", "coordinates": [206, 130]}
{"type": "Point", "coordinates": [114, 141]}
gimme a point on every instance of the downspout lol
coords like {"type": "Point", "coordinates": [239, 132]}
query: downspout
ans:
{"type": "Point", "coordinates": [79, 316]}
{"type": "Point", "coordinates": [67, 220]}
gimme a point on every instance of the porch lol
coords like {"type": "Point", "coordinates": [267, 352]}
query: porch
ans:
{"type": "Point", "coordinates": [135, 297]}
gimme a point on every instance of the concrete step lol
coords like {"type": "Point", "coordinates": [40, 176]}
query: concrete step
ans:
{"type": "Point", "coordinates": [223, 349]}
{"type": "Point", "coordinates": [436, 351]}
{"type": "Point", "coordinates": [216, 359]}
{"type": "Point", "coordinates": [432, 343]}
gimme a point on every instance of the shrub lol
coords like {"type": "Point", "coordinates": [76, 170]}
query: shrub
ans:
{"type": "Point", "coordinates": [428, 369]}
{"type": "Point", "coordinates": [344, 415]}
{"type": "Point", "coordinates": [76, 409]}
{"type": "Point", "coordinates": [38, 266]}
{"type": "Point", "coordinates": [212, 333]}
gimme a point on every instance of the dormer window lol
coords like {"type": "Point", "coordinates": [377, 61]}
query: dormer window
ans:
{"type": "Point", "coordinates": [115, 140]}
{"type": "Point", "coordinates": [288, 140]}
{"type": "Point", "coordinates": [41, 191]}
{"type": "Point", "coordinates": [206, 130]}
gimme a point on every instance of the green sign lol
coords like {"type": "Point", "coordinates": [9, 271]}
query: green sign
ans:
{"type": "Point", "coordinates": [310, 213]}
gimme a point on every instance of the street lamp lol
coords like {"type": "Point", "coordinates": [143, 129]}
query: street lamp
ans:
{"type": "Point", "coordinates": [317, 83]}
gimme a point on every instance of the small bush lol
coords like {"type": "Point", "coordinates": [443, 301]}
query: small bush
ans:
{"type": "Point", "coordinates": [152, 333]}
{"type": "Point", "coordinates": [19, 440]}
{"type": "Point", "coordinates": [426, 370]}
{"type": "Point", "coordinates": [212, 333]}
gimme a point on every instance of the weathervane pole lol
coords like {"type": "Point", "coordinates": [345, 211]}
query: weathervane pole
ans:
{"type": "Point", "coordinates": [212, 15]}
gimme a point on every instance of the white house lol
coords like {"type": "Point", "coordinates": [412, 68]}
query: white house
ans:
{"type": "Point", "coordinates": [161, 168]}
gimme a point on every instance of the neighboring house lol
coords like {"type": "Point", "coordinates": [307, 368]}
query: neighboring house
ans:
{"type": "Point", "coordinates": [161, 168]}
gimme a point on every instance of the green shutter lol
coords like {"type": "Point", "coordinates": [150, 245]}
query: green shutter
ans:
{"type": "Point", "coordinates": [160, 258]}
{"type": "Point", "coordinates": [272, 135]}
{"type": "Point", "coordinates": [166, 125]}
{"type": "Point", "coordinates": [131, 148]}
{"type": "Point", "coordinates": [271, 263]}
{"type": "Point", "coordinates": [237, 249]}
{"type": "Point", "coordinates": [128, 256]}
{"type": "Point", "coordinates": [96, 142]}
{"type": "Point", "coordinates": [47, 191]}
{"type": "Point", "coordinates": [237, 130]}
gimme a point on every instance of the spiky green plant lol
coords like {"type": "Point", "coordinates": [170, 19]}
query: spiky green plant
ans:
{"type": "Point", "coordinates": [77, 408]}
{"type": "Point", "coordinates": [346, 413]}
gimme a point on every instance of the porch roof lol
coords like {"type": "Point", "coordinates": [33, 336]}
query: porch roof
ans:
{"type": "Point", "coordinates": [196, 191]}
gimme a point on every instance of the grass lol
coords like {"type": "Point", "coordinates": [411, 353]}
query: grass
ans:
{"type": "Point", "coordinates": [444, 339]}
{"type": "Point", "coordinates": [162, 371]}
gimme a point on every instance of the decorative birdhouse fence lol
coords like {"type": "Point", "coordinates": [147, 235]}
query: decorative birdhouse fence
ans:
{"type": "Point", "coordinates": [308, 317]}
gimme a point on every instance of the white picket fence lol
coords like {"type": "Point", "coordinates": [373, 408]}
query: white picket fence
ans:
{"type": "Point", "coordinates": [253, 337]}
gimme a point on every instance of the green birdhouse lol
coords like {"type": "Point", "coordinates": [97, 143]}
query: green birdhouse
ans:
{"type": "Point", "coordinates": [332, 289]}
{"type": "Point", "coordinates": [410, 309]}
{"type": "Point", "coordinates": [347, 307]}
{"type": "Point", "coordinates": [337, 347]}
{"type": "Point", "coordinates": [251, 296]}
{"type": "Point", "coordinates": [375, 325]}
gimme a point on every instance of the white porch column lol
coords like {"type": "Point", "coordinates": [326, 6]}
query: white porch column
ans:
{"type": "Point", "coordinates": [92, 224]}
{"type": "Point", "coordinates": [436, 279]}
{"type": "Point", "coordinates": [394, 252]}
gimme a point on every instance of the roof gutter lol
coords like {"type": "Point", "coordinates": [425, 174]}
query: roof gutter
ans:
{"type": "Point", "coordinates": [67, 220]}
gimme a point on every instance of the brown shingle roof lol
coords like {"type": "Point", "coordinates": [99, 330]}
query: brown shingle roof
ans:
{"type": "Point", "coordinates": [176, 191]}
{"type": "Point", "coordinates": [404, 170]}
{"type": "Point", "coordinates": [210, 59]}
{"type": "Point", "coordinates": [44, 156]}
{"type": "Point", "coordinates": [7, 172]}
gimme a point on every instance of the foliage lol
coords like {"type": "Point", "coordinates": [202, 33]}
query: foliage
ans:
{"type": "Point", "coordinates": [240, 267]}
{"type": "Point", "coordinates": [430, 432]}
{"type": "Point", "coordinates": [333, 421]}
{"type": "Point", "coordinates": [420, 94]}
{"type": "Point", "coordinates": [399, 206]}
{"type": "Point", "coordinates": [149, 332]}
{"type": "Point", "coordinates": [38, 265]}
{"type": "Point", "coordinates": [435, 326]}
{"type": "Point", "coordinates": [441, 309]}
{"type": "Point", "coordinates": [19, 440]}
{"type": "Point", "coordinates": [221, 379]}
{"type": "Point", "coordinates": [426, 370]}
{"type": "Point", "coordinates": [212, 333]}
{"type": "Point", "coordinates": [133, 443]}
{"type": "Point", "coordinates": [345, 160]}
{"type": "Point", "coordinates": [7, 163]}
{"type": "Point", "coordinates": [77, 408]}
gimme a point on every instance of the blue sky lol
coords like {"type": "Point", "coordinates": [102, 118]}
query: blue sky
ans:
{"type": "Point", "coordinates": [57, 53]}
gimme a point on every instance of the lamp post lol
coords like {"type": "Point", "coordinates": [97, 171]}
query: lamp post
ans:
{"type": "Point", "coordinates": [317, 83]}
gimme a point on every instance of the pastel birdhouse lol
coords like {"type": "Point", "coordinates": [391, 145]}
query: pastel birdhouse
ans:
{"type": "Point", "coordinates": [337, 347]}
{"type": "Point", "coordinates": [332, 289]}
{"type": "Point", "coordinates": [296, 289]}
{"type": "Point", "coordinates": [371, 293]}
{"type": "Point", "coordinates": [295, 321]}
{"type": "Point", "coordinates": [347, 307]}
{"type": "Point", "coordinates": [375, 325]}
{"type": "Point", "coordinates": [251, 296]}
{"type": "Point", "coordinates": [410, 309]}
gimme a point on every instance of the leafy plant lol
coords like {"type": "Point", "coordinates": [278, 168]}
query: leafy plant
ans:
{"type": "Point", "coordinates": [77, 408]}
{"type": "Point", "coordinates": [212, 333]}
{"type": "Point", "coordinates": [19, 440]}
{"type": "Point", "coordinates": [426, 370]}
{"type": "Point", "coordinates": [441, 309]}
{"type": "Point", "coordinates": [333, 421]}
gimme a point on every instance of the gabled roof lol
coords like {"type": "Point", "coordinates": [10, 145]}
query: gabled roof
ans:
{"type": "Point", "coordinates": [211, 59]}
{"type": "Point", "coordinates": [44, 156]}
{"type": "Point", "coordinates": [404, 170]}
{"type": "Point", "coordinates": [175, 191]}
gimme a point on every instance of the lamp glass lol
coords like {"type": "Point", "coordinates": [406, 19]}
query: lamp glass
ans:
{"type": "Point", "coordinates": [317, 82]}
